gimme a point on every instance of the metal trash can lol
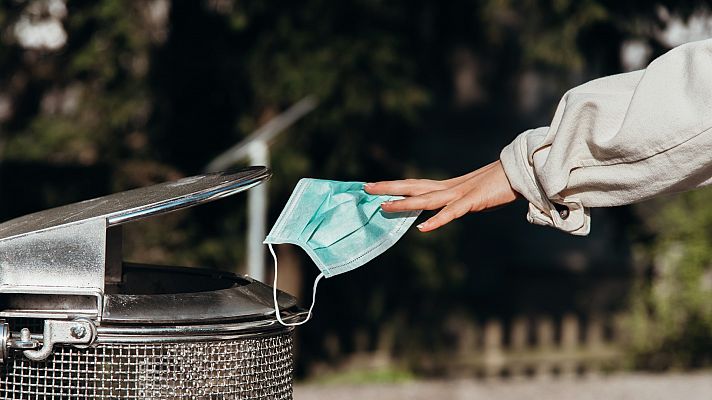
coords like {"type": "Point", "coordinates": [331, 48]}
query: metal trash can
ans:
{"type": "Point", "coordinates": [76, 322]}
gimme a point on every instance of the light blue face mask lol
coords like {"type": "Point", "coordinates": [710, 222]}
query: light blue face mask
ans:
{"type": "Point", "coordinates": [339, 225]}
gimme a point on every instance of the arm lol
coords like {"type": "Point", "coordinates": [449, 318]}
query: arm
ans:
{"type": "Point", "coordinates": [613, 141]}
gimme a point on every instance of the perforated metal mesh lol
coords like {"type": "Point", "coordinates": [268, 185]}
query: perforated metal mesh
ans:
{"type": "Point", "coordinates": [252, 368]}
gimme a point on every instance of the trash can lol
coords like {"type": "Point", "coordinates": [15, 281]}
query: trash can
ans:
{"type": "Point", "coordinates": [76, 322]}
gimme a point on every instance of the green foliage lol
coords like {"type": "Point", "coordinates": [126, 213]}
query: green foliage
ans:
{"type": "Point", "coordinates": [549, 31]}
{"type": "Point", "coordinates": [97, 85]}
{"type": "Point", "coordinates": [672, 312]}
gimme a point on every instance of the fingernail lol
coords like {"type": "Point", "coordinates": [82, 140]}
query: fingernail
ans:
{"type": "Point", "coordinates": [420, 226]}
{"type": "Point", "coordinates": [367, 185]}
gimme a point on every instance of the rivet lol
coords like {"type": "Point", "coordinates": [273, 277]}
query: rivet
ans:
{"type": "Point", "coordinates": [78, 332]}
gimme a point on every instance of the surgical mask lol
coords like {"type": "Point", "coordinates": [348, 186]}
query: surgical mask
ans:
{"type": "Point", "coordinates": [339, 225]}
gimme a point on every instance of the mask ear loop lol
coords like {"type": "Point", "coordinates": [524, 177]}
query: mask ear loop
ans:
{"type": "Point", "coordinates": [274, 294]}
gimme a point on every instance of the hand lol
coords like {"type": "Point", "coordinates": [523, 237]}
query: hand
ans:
{"type": "Point", "coordinates": [482, 189]}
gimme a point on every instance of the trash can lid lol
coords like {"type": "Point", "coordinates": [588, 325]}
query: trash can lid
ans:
{"type": "Point", "coordinates": [131, 205]}
{"type": "Point", "coordinates": [70, 250]}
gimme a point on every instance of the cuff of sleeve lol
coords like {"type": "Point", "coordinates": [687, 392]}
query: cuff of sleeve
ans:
{"type": "Point", "coordinates": [520, 172]}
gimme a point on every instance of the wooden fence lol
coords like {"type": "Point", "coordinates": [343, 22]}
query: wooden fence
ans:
{"type": "Point", "coordinates": [530, 347]}
{"type": "Point", "coordinates": [535, 347]}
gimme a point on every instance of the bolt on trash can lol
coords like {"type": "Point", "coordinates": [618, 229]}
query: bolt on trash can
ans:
{"type": "Point", "coordinates": [76, 322]}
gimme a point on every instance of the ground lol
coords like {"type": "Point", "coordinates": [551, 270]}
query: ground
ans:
{"type": "Point", "coordinates": [613, 387]}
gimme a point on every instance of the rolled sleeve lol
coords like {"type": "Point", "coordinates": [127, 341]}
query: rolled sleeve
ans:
{"type": "Point", "coordinates": [619, 140]}
{"type": "Point", "coordinates": [515, 159]}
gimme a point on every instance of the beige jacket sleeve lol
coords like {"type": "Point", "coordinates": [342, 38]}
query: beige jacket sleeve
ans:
{"type": "Point", "coordinates": [618, 140]}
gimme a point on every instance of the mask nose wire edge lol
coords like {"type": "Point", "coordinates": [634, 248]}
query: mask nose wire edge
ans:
{"type": "Point", "coordinates": [274, 294]}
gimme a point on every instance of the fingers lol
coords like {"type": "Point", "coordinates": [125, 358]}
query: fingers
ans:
{"type": "Point", "coordinates": [405, 187]}
{"type": "Point", "coordinates": [469, 176]}
{"type": "Point", "coordinates": [482, 189]}
{"type": "Point", "coordinates": [452, 211]}
{"type": "Point", "coordinates": [427, 201]}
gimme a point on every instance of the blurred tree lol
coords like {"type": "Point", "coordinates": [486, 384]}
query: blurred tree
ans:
{"type": "Point", "coordinates": [672, 307]}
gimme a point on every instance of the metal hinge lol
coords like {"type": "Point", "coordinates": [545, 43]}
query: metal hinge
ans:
{"type": "Point", "coordinates": [4, 338]}
{"type": "Point", "coordinates": [80, 332]}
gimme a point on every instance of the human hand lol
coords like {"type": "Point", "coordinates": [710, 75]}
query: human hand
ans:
{"type": "Point", "coordinates": [482, 189]}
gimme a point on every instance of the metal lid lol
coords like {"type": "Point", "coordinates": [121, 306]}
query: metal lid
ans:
{"type": "Point", "coordinates": [67, 251]}
{"type": "Point", "coordinates": [131, 205]}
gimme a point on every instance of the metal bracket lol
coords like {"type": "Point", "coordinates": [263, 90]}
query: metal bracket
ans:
{"type": "Point", "coordinates": [25, 342]}
{"type": "Point", "coordinates": [78, 332]}
{"type": "Point", "coordinates": [8, 341]}
{"type": "Point", "coordinates": [63, 260]}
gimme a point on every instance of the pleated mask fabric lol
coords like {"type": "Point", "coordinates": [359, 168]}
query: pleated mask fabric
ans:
{"type": "Point", "coordinates": [338, 224]}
